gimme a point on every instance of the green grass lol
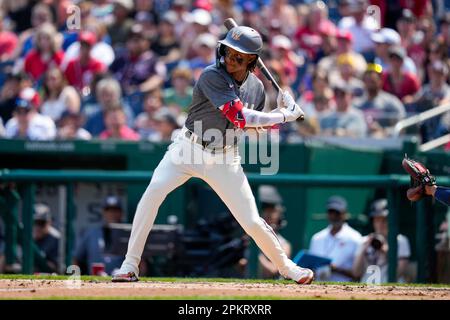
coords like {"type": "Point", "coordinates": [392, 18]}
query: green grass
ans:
{"type": "Point", "coordinates": [210, 280]}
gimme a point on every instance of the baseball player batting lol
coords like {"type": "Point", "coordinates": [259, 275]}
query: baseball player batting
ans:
{"type": "Point", "coordinates": [227, 99]}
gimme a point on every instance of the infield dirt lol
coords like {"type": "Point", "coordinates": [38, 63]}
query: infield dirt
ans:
{"type": "Point", "coordinates": [51, 289]}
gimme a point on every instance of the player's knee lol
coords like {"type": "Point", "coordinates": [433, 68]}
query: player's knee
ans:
{"type": "Point", "coordinates": [156, 190]}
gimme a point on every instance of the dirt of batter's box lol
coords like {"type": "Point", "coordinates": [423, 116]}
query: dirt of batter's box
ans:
{"type": "Point", "coordinates": [17, 289]}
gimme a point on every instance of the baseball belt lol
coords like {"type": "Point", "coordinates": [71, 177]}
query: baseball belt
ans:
{"type": "Point", "coordinates": [204, 144]}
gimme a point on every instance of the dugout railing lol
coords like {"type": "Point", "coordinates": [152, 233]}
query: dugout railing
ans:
{"type": "Point", "coordinates": [29, 179]}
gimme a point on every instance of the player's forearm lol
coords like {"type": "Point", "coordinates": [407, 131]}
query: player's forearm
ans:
{"type": "Point", "coordinates": [255, 118]}
{"type": "Point", "coordinates": [443, 195]}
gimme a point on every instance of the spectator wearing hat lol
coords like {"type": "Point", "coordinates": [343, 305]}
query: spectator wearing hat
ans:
{"type": "Point", "coordinates": [94, 244]}
{"type": "Point", "coordinates": [116, 126]}
{"type": "Point", "coordinates": [416, 35]}
{"type": "Point", "coordinates": [70, 127]}
{"type": "Point", "coordinates": [178, 97]}
{"type": "Point", "coordinates": [344, 46]}
{"type": "Point", "coordinates": [45, 54]}
{"type": "Point", "coordinates": [119, 29]}
{"type": "Point", "coordinates": [282, 50]}
{"type": "Point", "coordinates": [17, 86]}
{"type": "Point", "coordinates": [205, 53]}
{"type": "Point", "coordinates": [167, 45]}
{"type": "Point", "coordinates": [46, 237]}
{"type": "Point", "coordinates": [406, 26]}
{"type": "Point", "coordinates": [101, 50]}
{"type": "Point", "coordinates": [402, 84]}
{"type": "Point", "coordinates": [345, 121]}
{"type": "Point", "coordinates": [81, 70]}
{"type": "Point", "coordinates": [273, 214]}
{"type": "Point", "coordinates": [337, 242]}
{"type": "Point", "coordinates": [384, 39]}
{"type": "Point", "coordinates": [381, 110]}
{"type": "Point", "coordinates": [28, 124]}
{"type": "Point", "coordinates": [373, 250]}
{"type": "Point", "coordinates": [166, 126]}
{"type": "Point", "coordinates": [58, 96]}
{"type": "Point", "coordinates": [346, 75]}
{"type": "Point", "coordinates": [138, 68]}
{"type": "Point", "coordinates": [360, 25]}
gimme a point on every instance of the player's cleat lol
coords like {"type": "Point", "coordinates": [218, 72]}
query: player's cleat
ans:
{"type": "Point", "coordinates": [302, 275]}
{"type": "Point", "coordinates": [125, 277]}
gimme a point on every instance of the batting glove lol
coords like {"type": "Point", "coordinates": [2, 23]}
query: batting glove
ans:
{"type": "Point", "coordinates": [287, 106]}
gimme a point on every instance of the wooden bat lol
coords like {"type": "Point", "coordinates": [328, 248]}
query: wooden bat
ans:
{"type": "Point", "coordinates": [230, 24]}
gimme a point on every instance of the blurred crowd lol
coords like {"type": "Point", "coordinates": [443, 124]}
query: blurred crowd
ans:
{"type": "Point", "coordinates": [124, 69]}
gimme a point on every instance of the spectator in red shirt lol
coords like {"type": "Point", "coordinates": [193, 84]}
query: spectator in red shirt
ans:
{"type": "Point", "coordinates": [8, 42]}
{"type": "Point", "coordinates": [45, 52]}
{"type": "Point", "coordinates": [402, 84]}
{"type": "Point", "coordinates": [116, 128]}
{"type": "Point", "coordinates": [81, 71]}
{"type": "Point", "coordinates": [309, 37]}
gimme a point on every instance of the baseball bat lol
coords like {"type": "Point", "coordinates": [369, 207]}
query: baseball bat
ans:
{"type": "Point", "coordinates": [229, 24]}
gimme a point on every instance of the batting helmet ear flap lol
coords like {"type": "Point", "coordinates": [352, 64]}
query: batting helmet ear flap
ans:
{"type": "Point", "coordinates": [220, 54]}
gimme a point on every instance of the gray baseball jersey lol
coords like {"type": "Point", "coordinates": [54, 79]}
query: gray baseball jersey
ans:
{"type": "Point", "coordinates": [214, 88]}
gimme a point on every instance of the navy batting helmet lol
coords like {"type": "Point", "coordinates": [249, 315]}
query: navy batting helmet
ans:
{"type": "Point", "coordinates": [242, 39]}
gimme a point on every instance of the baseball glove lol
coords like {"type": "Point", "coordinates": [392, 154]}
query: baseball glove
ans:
{"type": "Point", "coordinates": [420, 177]}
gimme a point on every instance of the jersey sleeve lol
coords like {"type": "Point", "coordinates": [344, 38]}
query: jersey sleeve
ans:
{"type": "Point", "coordinates": [262, 103]}
{"type": "Point", "coordinates": [216, 88]}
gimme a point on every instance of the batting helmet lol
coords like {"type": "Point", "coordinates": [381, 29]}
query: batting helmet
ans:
{"type": "Point", "coordinates": [242, 39]}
